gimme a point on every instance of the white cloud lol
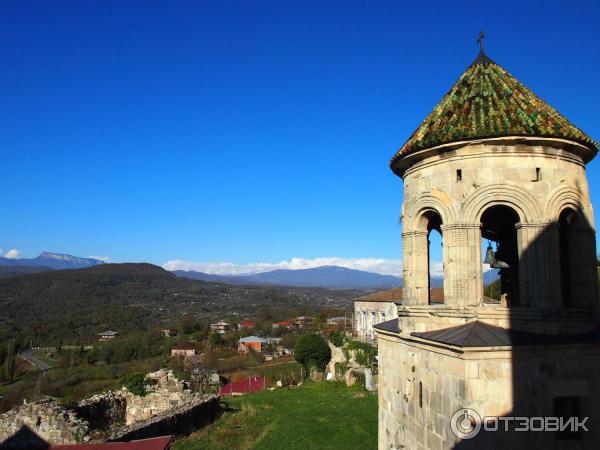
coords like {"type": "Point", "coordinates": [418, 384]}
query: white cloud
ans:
{"type": "Point", "coordinates": [436, 269]}
{"type": "Point", "coordinates": [377, 265]}
{"type": "Point", "coordinates": [101, 258]}
{"type": "Point", "coordinates": [12, 254]}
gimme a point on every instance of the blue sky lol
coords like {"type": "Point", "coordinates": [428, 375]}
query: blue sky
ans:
{"type": "Point", "coordinates": [248, 131]}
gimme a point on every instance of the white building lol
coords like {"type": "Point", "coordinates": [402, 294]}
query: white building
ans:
{"type": "Point", "coordinates": [220, 327]}
{"type": "Point", "coordinates": [373, 309]}
{"type": "Point", "coordinates": [380, 307]}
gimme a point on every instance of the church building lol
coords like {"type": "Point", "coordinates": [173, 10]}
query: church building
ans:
{"type": "Point", "coordinates": [501, 175]}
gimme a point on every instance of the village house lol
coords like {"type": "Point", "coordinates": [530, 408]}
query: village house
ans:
{"type": "Point", "coordinates": [220, 327]}
{"type": "Point", "coordinates": [106, 335]}
{"type": "Point", "coordinates": [372, 309]}
{"type": "Point", "coordinates": [339, 321]}
{"type": "Point", "coordinates": [256, 343]}
{"type": "Point", "coordinates": [501, 175]}
{"type": "Point", "coordinates": [304, 322]}
{"type": "Point", "coordinates": [246, 324]}
{"type": "Point", "coordinates": [184, 349]}
{"type": "Point", "coordinates": [283, 324]}
{"type": "Point", "coordinates": [168, 332]}
{"type": "Point", "coordinates": [155, 443]}
{"type": "Point", "coordinates": [378, 307]}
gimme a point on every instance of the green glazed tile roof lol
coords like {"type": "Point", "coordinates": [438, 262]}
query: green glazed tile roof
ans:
{"type": "Point", "coordinates": [487, 101]}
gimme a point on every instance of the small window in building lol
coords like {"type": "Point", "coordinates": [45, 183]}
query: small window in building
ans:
{"type": "Point", "coordinates": [420, 394]}
{"type": "Point", "coordinates": [459, 175]}
{"type": "Point", "coordinates": [538, 174]}
{"type": "Point", "coordinates": [567, 408]}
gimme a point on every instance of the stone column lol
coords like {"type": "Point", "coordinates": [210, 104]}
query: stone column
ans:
{"type": "Point", "coordinates": [462, 264]}
{"type": "Point", "coordinates": [415, 271]}
{"type": "Point", "coordinates": [539, 265]}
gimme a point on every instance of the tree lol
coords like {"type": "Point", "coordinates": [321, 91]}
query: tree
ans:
{"type": "Point", "coordinates": [336, 338]}
{"type": "Point", "coordinates": [202, 368]}
{"type": "Point", "coordinates": [9, 362]}
{"type": "Point", "coordinates": [216, 339]}
{"type": "Point", "coordinates": [312, 351]}
{"type": "Point", "coordinates": [288, 340]}
{"type": "Point", "coordinates": [136, 383]}
{"type": "Point", "coordinates": [493, 290]}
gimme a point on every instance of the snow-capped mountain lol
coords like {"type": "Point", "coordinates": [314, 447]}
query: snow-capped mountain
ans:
{"type": "Point", "coordinates": [52, 260]}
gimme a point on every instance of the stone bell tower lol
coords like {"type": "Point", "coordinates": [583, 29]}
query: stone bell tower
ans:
{"type": "Point", "coordinates": [501, 176]}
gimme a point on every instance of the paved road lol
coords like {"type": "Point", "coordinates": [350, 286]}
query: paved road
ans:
{"type": "Point", "coordinates": [28, 356]}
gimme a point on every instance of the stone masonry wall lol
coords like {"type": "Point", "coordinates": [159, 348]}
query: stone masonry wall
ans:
{"type": "Point", "coordinates": [421, 387]}
{"type": "Point", "coordinates": [167, 393]}
{"type": "Point", "coordinates": [536, 181]}
{"type": "Point", "coordinates": [103, 410]}
{"type": "Point", "coordinates": [48, 420]}
{"type": "Point", "coordinates": [169, 408]}
{"type": "Point", "coordinates": [181, 420]}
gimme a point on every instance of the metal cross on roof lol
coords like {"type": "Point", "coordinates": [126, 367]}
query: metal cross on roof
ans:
{"type": "Point", "coordinates": [480, 41]}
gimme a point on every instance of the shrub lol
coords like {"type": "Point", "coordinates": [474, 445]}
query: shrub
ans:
{"type": "Point", "coordinates": [312, 351]}
{"type": "Point", "coordinates": [216, 339]}
{"type": "Point", "coordinates": [364, 354]}
{"type": "Point", "coordinates": [136, 383]}
{"type": "Point", "coordinates": [336, 338]}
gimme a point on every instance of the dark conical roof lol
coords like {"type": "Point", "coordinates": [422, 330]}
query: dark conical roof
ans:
{"type": "Point", "coordinates": [487, 102]}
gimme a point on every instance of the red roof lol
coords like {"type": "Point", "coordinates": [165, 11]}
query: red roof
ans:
{"type": "Point", "coordinates": [253, 384]}
{"type": "Point", "coordinates": [283, 323]}
{"type": "Point", "coordinates": [157, 443]}
{"type": "Point", "coordinates": [436, 295]}
{"type": "Point", "coordinates": [184, 346]}
{"type": "Point", "coordinates": [247, 323]}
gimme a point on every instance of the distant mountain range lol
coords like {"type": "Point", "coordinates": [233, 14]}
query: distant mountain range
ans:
{"type": "Point", "coordinates": [73, 305]}
{"type": "Point", "coordinates": [52, 261]}
{"type": "Point", "coordinates": [332, 277]}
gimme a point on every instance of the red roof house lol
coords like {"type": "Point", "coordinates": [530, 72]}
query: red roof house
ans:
{"type": "Point", "coordinates": [283, 324]}
{"type": "Point", "coordinates": [157, 443]}
{"type": "Point", "coordinates": [253, 384]}
{"type": "Point", "coordinates": [246, 324]}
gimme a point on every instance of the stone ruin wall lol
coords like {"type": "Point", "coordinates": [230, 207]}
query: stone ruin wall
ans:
{"type": "Point", "coordinates": [169, 408]}
{"type": "Point", "coordinates": [48, 420]}
{"type": "Point", "coordinates": [167, 393]}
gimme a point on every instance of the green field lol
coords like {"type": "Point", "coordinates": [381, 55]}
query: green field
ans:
{"type": "Point", "coordinates": [276, 370]}
{"type": "Point", "coordinates": [314, 416]}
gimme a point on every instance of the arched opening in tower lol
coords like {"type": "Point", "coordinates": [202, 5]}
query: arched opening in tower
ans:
{"type": "Point", "coordinates": [499, 235]}
{"type": "Point", "coordinates": [435, 265]}
{"type": "Point", "coordinates": [567, 223]}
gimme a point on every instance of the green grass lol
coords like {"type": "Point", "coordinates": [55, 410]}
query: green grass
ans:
{"type": "Point", "coordinates": [314, 416]}
{"type": "Point", "coordinates": [276, 370]}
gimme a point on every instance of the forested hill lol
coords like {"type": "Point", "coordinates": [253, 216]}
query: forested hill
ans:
{"type": "Point", "coordinates": [74, 305]}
